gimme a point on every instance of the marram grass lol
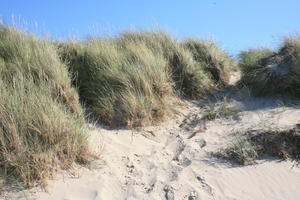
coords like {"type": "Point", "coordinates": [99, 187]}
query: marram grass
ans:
{"type": "Point", "coordinates": [266, 72]}
{"type": "Point", "coordinates": [41, 121]}
{"type": "Point", "coordinates": [215, 61]}
{"type": "Point", "coordinates": [133, 79]}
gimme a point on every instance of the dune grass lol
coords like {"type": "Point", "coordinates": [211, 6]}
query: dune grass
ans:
{"type": "Point", "coordinates": [220, 110]}
{"type": "Point", "coordinates": [253, 145]}
{"type": "Point", "coordinates": [291, 49]}
{"type": "Point", "coordinates": [215, 61]}
{"type": "Point", "coordinates": [190, 79]}
{"type": "Point", "coordinates": [250, 58]}
{"type": "Point", "coordinates": [131, 80]}
{"type": "Point", "coordinates": [42, 125]}
{"type": "Point", "coordinates": [267, 72]}
{"type": "Point", "coordinates": [122, 85]}
{"type": "Point", "coordinates": [135, 78]}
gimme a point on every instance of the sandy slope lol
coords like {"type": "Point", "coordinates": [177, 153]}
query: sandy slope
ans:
{"type": "Point", "coordinates": [172, 160]}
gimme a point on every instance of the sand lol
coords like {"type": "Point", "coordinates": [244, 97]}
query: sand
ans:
{"type": "Point", "coordinates": [173, 160]}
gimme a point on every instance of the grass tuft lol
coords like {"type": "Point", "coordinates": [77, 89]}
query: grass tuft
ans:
{"type": "Point", "coordinates": [41, 121]}
{"type": "Point", "coordinates": [135, 78]}
{"type": "Point", "coordinates": [122, 84]}
{"type": "Point", "coordinates": [284, 144]}
{"type": "Point", "coordinates": [220, 110]}
{"type": "Point", "coordinates": [266, 72]}
{"type": "Point", "coordinates": [216, 62]}
{"type": "Point", "coordinates": [189, 77]}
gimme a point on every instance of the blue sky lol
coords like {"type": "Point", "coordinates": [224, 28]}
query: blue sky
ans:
{"type": "Point", "coordinates": [235, 24]}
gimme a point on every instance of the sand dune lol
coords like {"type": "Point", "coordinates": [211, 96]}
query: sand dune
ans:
{"type": "Point", "coordinates": [173, 160]}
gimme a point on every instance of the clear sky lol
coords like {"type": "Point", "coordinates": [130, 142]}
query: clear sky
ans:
{"type": "Point", "coordinates": [235, 24]}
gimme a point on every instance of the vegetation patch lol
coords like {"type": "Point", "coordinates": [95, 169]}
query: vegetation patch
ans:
{"type": "Point", "coordinates": [223, 109]}
{"type": "Point", "coordinates": [253, 145]}
{"type": "Point", "coordinates": [135, 78]}
{"type": "Point", "coordinates": [215, 61]}
{"type": "Point", "coordinates": [131, 80]}
{"type": "Point", "coordinates": [122, 84]}
{"type": "Point", "coordinates": [189, 78]}
{"type": "Point", "coordinates": [266, 72]}
{"type": "Point", "coordinates": [41, 121]}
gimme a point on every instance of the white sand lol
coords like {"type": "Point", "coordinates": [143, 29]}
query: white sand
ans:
{"type": "Point", "coordinates": [165, 162]}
